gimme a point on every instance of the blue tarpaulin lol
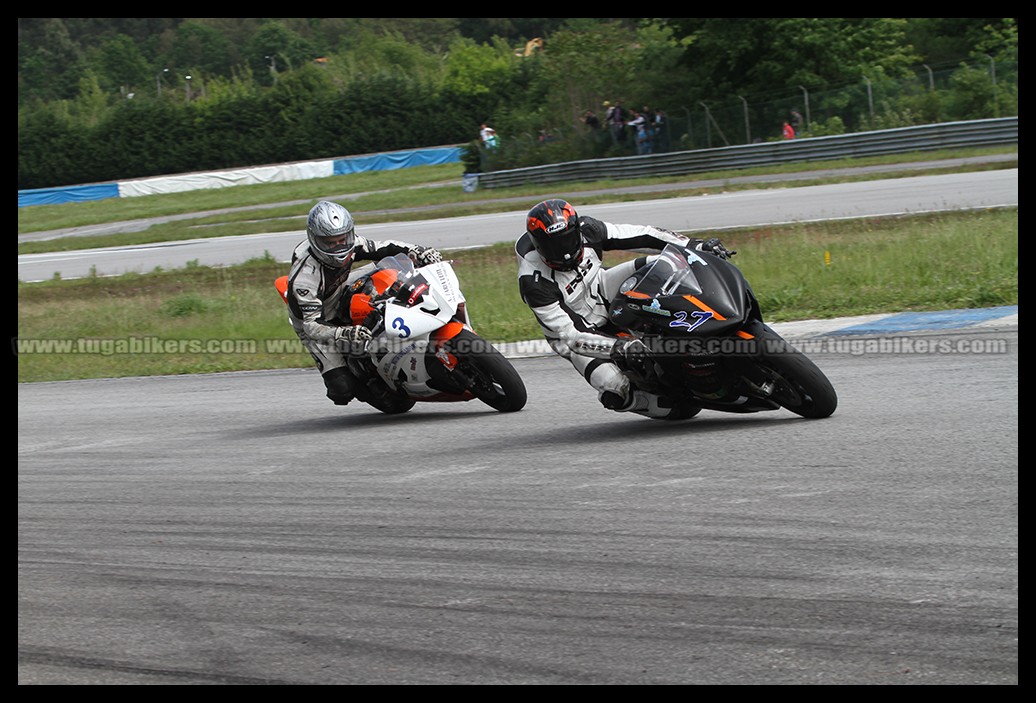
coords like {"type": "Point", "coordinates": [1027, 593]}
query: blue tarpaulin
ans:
{"type": "Point", "coordinates": [67, 194]}
{"type": "Point", "coordinates": [398, 159]}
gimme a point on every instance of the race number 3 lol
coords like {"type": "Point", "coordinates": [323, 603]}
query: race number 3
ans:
{"type": "Point", "coordinates": [398, 324]}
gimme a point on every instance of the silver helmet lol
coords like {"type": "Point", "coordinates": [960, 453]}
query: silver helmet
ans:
{"type": "Point", "coordinates": [331, 234]}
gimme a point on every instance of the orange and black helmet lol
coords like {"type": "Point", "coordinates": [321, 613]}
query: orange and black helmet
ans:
{"type": "Point", "coordinates": [553, 226]}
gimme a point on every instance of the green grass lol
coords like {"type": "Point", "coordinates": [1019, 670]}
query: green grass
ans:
{"type": "Point", "coordinates": [932, 262]}
{"type": "Point", "coordinates": [806, 271]}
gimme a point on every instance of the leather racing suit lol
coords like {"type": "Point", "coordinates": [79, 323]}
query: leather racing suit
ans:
{"type": "Point", "coordinates": [572, 306]}
{"type": "Point", "coordinates": [315, 299]}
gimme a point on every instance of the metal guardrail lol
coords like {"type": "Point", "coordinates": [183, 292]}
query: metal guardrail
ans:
{"type": "Point", "coordinates": [878, 143]}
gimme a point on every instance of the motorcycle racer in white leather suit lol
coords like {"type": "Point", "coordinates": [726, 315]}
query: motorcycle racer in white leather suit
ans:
{"type": "Point", "coordinates": [320, 276]}
{"type": "Point", "coordinates": [562, 280]}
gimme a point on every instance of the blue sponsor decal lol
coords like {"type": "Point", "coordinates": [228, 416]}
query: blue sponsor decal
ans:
{"type": "Point", "coordinates": [655, 308]}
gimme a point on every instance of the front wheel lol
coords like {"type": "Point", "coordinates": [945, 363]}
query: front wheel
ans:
{"type": "Point", "coordinates": [491, 377]}
{"type": "Point", "coordinates": [801, 386]}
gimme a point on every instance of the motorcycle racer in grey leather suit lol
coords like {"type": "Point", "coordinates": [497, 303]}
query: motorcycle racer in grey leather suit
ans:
{"type": "Point", "coordinates": [562, 280]}
{"type": "Point", "coordinates": [320, 276]}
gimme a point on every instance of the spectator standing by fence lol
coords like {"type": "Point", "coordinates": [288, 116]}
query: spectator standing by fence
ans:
{"type": "Point", "coordinates": [661, 131]}
{"type": "Point", "coordinates": [591, 120]}
{"type": "Point", "coordinates": [642, 132]}
{"type": "Point", "coordinates": [637, 126]}
{"type": "Point", "coordinates": [645, 138]}
{"type": "Point", "coordinates": [617, 123]}
{"type": "Point", "coordinates": [796, 122]}
{"type": "Point", "coordinates": [488, 136]}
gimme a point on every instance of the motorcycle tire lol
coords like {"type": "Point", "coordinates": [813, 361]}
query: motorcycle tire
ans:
{"type": "Point", "coordinates": [801, 387]}
{"type": "Point", "coordinates": [493, 379]}
{"type": "Point", "coordinates": [683, 411]}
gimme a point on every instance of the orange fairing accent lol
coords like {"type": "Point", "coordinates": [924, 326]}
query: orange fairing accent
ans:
{"type": "Point", "coordinates": [446, 333]}
{"type": "Point", "coordinates": [359, 307]}
{"type": "Point", "coordinates": [636, 294]}
{"type": "Point", "coordinates": [359, 304]}
{"type": "Point", "coordinates": [281, 284]}
{"type": "Point", "coordinates": [440, 337]}
{"type": "Point", "coordinates": [745, 335]}
{"type": "Point", "coordinates": [704, 307]}
{"type": "Point", "coordinates": [383, 278]}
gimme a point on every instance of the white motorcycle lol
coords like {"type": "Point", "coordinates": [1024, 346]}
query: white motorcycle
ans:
{"type": "Point", "coordinates": [424, 347]}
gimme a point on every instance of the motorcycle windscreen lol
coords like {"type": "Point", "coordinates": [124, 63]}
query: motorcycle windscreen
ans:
{"type": "Point", "coordinates": [681, 292]}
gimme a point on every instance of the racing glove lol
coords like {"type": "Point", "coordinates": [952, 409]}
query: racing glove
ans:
{"type": "Point", "coordinates": [629, 354]}
{"type": "Point", "coordinates": [355, 339]}
{"type": "Point", "coordinates": [422, 256]}
{"type": "Point", "coordinates": [714, 246]}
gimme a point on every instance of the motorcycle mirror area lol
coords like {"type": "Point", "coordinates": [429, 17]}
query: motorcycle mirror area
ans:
{"type": "Point", "coordinates": [409, 289]}
{"type": "Point", "coordinates": [625, 305]}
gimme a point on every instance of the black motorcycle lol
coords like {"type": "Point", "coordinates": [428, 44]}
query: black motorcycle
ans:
{"type": "Point", "coordinates": [706, 343]}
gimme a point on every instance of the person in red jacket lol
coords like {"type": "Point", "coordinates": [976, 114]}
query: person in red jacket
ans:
{"type": "Point", "coordinates": [789, 131]}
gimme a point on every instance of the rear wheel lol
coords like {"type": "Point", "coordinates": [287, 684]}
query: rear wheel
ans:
{"type": "Point", "coordinates": [492, 379]}
{"type": "Point", "coordinates": [801, 386]}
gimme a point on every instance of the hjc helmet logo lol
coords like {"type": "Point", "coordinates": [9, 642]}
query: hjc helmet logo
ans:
{"type": "Point", "coordinates": [557, 227]}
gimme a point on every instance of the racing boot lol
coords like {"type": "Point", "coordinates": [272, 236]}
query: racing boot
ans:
{"type": "Point", "coordinates": [340, 384]}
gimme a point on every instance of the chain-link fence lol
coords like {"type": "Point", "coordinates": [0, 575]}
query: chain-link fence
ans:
{"type": "Point", "coordinates": [978, 90]}
{"type": "Point", "coordinates": [975, 90]}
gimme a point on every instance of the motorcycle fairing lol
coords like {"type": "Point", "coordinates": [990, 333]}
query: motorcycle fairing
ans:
{"type": "Point", "coordinates": [667, 296]}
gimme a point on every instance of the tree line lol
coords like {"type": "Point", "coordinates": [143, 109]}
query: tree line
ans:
{"type": "Point", "coordinates": [104, 99]}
